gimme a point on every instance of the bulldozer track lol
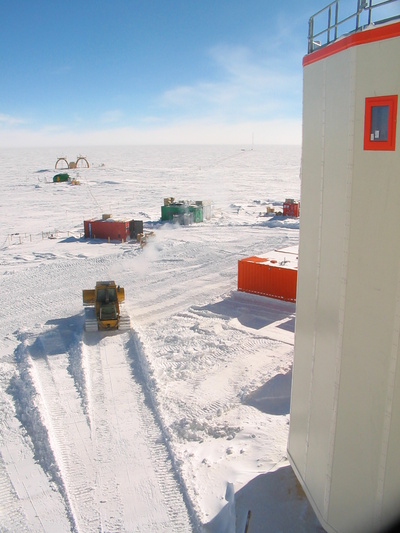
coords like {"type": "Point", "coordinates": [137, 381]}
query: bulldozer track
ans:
{"type": "Point", "coordinates": [13, 517]}
{"type": "Point", "coordinates": [23, 482]}
{"type": "Point", "coordinates": [69, 438]}
{"type": "Point", "coordinates": [110, 380]}
{"type": "Point", "coordinates": [96, 459]}
{"type": "Point", "coordinates": [124, 322]}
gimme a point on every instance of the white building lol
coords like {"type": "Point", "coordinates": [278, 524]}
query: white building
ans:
{"type": "Point", "coordinates": [344, 440]}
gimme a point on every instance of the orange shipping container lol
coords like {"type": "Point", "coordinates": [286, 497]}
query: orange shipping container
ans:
{"type": "Point", "coordinates": [274, 276]}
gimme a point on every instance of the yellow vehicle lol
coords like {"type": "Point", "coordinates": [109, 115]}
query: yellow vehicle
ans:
{"type": "Point", "coordinates": [104, 303]}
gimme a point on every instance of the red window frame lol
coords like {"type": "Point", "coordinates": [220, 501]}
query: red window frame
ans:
{"type": "Point", "coordinates": [381, 101]}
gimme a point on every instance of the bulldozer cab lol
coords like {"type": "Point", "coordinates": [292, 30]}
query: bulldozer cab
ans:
{"type": "Point", "coordinates": [106, 295]}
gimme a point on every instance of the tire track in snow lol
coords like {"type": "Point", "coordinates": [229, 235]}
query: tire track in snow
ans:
{"type": "Point", "coordinates": [28, 458]}
{"type": "Point", "coordinates": [129, 445]}
{"type": "Point", "coordinates": [11, 516]}
{"type": "Point", "coordinates": [104, 449]}
{"type": "Point", "coordinates": [69, 437]}
{"type": "Point", "coordinates": [167, 471]}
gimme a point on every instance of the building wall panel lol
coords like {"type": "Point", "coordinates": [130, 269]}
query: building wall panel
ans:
{"type": "Point", "coordinates": [345, 423]}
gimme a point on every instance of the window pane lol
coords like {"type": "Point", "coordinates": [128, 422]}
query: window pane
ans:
{"type": "Point", "coordinates": [379, 123]}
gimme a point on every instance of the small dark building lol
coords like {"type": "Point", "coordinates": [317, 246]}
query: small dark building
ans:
{"type": "Point", "coordinates": [135, 228]}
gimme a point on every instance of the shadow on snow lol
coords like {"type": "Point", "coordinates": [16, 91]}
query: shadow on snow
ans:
{"type": "Point", "coordinates": [274, 396]}
{"type": "Point", "coordinates": [253, 311]}
{"type": "Point", "coordinates": [276, 502]}
{"type": "Point", "coordinates": [57, 337]}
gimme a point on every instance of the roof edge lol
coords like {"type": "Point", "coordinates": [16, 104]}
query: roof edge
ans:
{"type": "Point", "coordinates": [369, 35]}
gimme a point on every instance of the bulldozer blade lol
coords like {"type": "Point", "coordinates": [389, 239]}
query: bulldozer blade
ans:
{"type": "Point", "coordinates": [89, 297]}
{"type": "Point", "coordinates": [120, 294]}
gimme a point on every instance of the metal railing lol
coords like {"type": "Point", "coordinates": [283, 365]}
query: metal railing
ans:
{"type": "Point", "coordinates": [327, 25]}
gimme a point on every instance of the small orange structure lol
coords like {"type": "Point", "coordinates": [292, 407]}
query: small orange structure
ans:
{"type": "Point", "coordinates": [273, 275]}
{"type": "Point", "coordinates": [291, 208]}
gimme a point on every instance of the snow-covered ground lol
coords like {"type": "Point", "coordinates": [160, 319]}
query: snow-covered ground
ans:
{"type": "Point", "coordinates": [180, 424]}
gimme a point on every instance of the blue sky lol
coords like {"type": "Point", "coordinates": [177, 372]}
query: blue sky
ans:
{"type": "Point", "coordinates": [93, 72]}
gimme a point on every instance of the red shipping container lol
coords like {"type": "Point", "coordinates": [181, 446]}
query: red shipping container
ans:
{"type": "Point", "coordinates": [268, 277]}
{"type": "Point", "coordinates": [115, 230]}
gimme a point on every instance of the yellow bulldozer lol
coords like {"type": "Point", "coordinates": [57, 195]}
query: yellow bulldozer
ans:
{"type": "Point", "coordinates": [104, 307]}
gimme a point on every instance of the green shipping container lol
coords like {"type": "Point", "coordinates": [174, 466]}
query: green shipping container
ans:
{"type": "Point", "coordinates": [60, 177]}
{"type": "Point", "coordinates": [169, 211]}
{"type": "Point", "coordinates": [197, 213]}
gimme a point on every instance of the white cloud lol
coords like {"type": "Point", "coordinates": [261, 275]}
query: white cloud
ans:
{"type": "Point", "coordinates": [247, 87]}
{"type": "Point", "coordinates": [183, 132]}
{"type": "Point", "coordinates": [8, 120]}
{"type": "Point", "coordinates": [111, 117]}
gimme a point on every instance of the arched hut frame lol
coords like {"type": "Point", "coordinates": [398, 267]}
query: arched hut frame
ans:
{"type": "Point", "coordinates": [73, 164]}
